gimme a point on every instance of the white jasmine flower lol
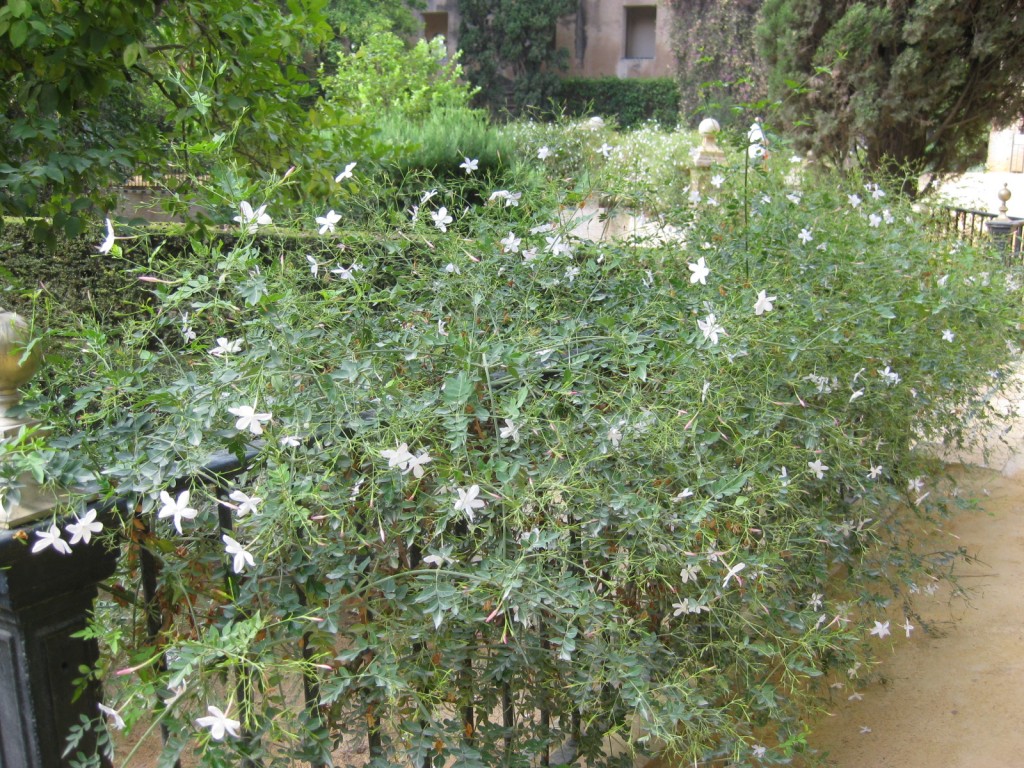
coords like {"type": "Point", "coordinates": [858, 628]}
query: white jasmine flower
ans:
{"type": "Point", "coordinates": [948, 335]}
{"type": "Point", "coordinates": [876, 472]}
{"type": "Point", "coordinates": [881, 629]}
{"type": "Point", "coordinates": [252, 220]}
{"type": "Point", "coordinates": [764, 303]}
{"type": "Point", "coordinates": [717, 180]}
{"type": "Point", "coordinates": [710, 328]}
{"type": "Point", "coordinates": [441, 218]}
{"type": "Point", "coordinates": [605, 150]}
{"type": "Point", "coordinates": [118, 721]}
{"type": "Point", "coordinates": [246, 503]}
{"type": "Point", "coordinates": [51, 538]}
{"type": "Point", "coordinates": [108, 242]}
{"type": "Point", "coordinates": [177, 509]}
{"type": "Point", "coordinates": [249, 419]}
{"type": "Point", "coordinates": [328, 221]}
{"type": "Point", "coordinates": [615, 436]}
{"type": "Point", "coordinates": [793, 197]}
{"type": "Point", "coordinates": [510, 244]}
{"type": "Point", "coordinates": [700, 271]}
{"type": "Point", "coordinates": [543, 153]}
{"type": "Point", "coordinates": [806, 236]}
{"type": "Point", "coordinates": [874, 220]}
{"type": "Point", "coordinates": [817, 468]}
{"type": "Point", "coordinates": [84, 527]}
{"type": "Point", "coordinates": [469, 165]}
{"type": "Point", "coordinates": [399, 457]}
{"type": "Point", "coordinates": [290, 441]}
{"type": "Point", "coordinates": [854, 200]}
{"type": "Point", "coordinates": [891, 378]}
{"type": "Point", "coordinates": [733, 573]}
{"type": "Point", "coordinates": [219, 724]}
{"type": "Point", "coordinates": [510, 430]}
{"type": "Point", "coordinates": [468, 500]}
{"type": "Point", "coordinates": [314, 267]}
{"type": "Point", "coordinates": [225, 347]}
{"type": "Point", "coordinates": [415, 464]}
{"type": "Point", "coordinates": [241, 555]}
{"type": "Point", "coordinates": [345, 174]}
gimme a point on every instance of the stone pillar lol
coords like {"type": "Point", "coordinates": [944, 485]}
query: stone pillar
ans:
{"type": "Point", "coordinates": [707, 155]}
{"type": "Point", "coordinates": [1000, 228]}
{"type": "Point", "coordinates": [44, 599]}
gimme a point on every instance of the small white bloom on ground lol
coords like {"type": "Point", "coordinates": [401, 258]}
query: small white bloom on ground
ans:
{"type": "Point", "coordinates": [864, 729]}
{"type": "Point", "coordinates": [399, 457]}
{"type": "Point", "coordinates": [345, 174]}
{"type": "Point", "coordinates": [314, 267]}
{"type": "Point", "coordinates": [290, 441]}
{"type": "Point", "coordinates": [881, 629]}
{"type": "Point", "coordinates": [543, 153]}
{"type": "Point", "coordinates": [615, 436]}
{"type": "Point", "coordinates": [328, 221]}
{"type": "Point", "coordinates": [246, 503]}
{"type": "Point", "coordinates": [874, 220]}
{"type": "Point", "coordinates": [241, 555]}
{"type": "Point", "coordinates": [252, 220]}
{"type": "Point", "coordinates": [855, 697]}
{"type": "Point", "coordinates": [468, 500]}
{"type": "Point", "coordinates": [733, 573]}
{"type": "Point", "coordinates": [452, 269]}
{"type": "Point", "coordinates": [469, 165]}
{"type": "Point", "coordinates": [220, 724]}
{"type": "Point", "coordinates": [906, 626]}
{"type": "Point", "coordinates": [571, 273]}
{"type": "Point", "coordinates": [605, 150]}
{"type": "Point", "coordinates": [854, 200]}
{"type": "Point", "coordinates": [794, 198]}
{"type": "Point", "coordinates": [700, 271]}
{"type": "Point", "coordinates": [690, 573]}
{"type": "Point", "coordinates": [683, 494]}
{"type": "Point", "coordinates": [177, 509]}
{"type": "Point", "coordinates": [510, 431]}
{"type": "Point", "coordinates": [717, 180]}
{"type": "Point", "coordinates": [806, 235]}
{"type": "Point", "coordinates": [441, 218]}
{"type": "Point", "coordinates": [510, 244]}
{"type": "Point", "coordinates": [225, 347]}
{"type": "Point", "coordinates": [876, 472]}
{"type": "Point", "coordinates": [345, 273]}
{"type": "Point", "coordinates": [915, 485]}
{"type": "Point", "coordinates": [764, 303]}
{"type": "Point", "coordinates": [857, 393]}
{"type": "Point", "coordinates": [689, 605]}
{"type": "Point", "coordinates": [415, 464]}
{"type": "Point", "coordinates": [759, 751]}
{"type": "Point", "coordinates": [890, 377]}
{"type": "Point", "coordinates": [249, 419]}
{"type": "Point", "coordinates": [948, 335]}
{"type": "Point", "coordinates": [108, 242]}
{"type": "Point", "coordinates": [817, 468]}
{"type": "Point", "coordinates": [710, 328]}
{"type": "Point", "coordinates": [815, 602]}
{"type": "Point", "coordinates": [51, 538]}
{"type": "Point", "coordinates": [84, 527]}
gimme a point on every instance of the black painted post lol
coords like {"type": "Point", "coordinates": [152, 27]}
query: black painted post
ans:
{"type": "Point", "coordinates": [45, 597]}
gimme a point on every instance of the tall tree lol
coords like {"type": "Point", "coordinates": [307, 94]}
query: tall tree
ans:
{"type": "Point", "coordinates": [94, 90]}
{"type": "Point", "coordinates": [510, 51]}
{"type": "Point", "coordinates": [897, 84]}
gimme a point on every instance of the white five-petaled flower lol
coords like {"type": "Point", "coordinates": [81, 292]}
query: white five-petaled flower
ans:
{"type": "Point", "coordinates": [915, 485]}
{"type": "Point", "coordinates": [854, 199]}
{"type": "Point", "coordinates": [441, 218]}
{"type": "Point", "coordinates": [252, 220]}
{"type": "Point", "coordinates": [468, 500]}
{"type": "Point", "coordinates": [225, 347]}
{"type": "Point", "coordinates": [710, 328]}
{"type": "Point", "coordinates": [881, 629]}
{"type": "Point", "coordinates": [948, 335]}
{"type": "Point", "coordinates": [290, 441]}
{"type": "Point", "coordinates": [249, 419]}
{"type": "Point", "coordinates": [51, 538]}
{"type": "Point", "coordinates": [241, 555]}
{"type": "Point", "coordinates": [793, 197]}
{"type": "Point", "coordinates": [806, 235]}
{"type": "Point", "coordinates": [314, 267]}
{"type": "Point", "coordinates": [398, 457]}
{"type": "Point", "coordinates": [759, 751]}
{"type": "Point", "coordinates": [700, 271]}
{"type": "Point", "coordinates": [328, 221]}
{"type": "Point", "coordinates": [543, 153]}
{"type": "Point", "coordinates": [246, 503]}
{"type": "Point", "coordinates": [906, 626]}
{"type": "Point", "coordinates": [732, 573]}
{"type": "Point", "coordinates": [346, 174]}
{"type": "Point", "coordinates": [605, 150]}
{"type": "Point", "coordinates": [510, 430]}
{"type": "Point", "coordinates": [615, 436]}
{"type": "Point", "coordinates": [108, 242]}
{"type": "Point", "coordinates": [874, 220]}
{"type": "Point", "coordinates": [815, 602]}
{"type": "Point", "coordinates": [764, 303]}
{"type": "Point", "coordinates": [817, 468]}
{"type": "Point", "coordinates": [717, 180]}
{"type": "Point", "coordinates": [176, 509]}
{"type": "Point", "coordinates": [219, 724]}
{"type": "Point", "coordinates": [118, 721]}
{"type": "Point", "coordinates": [415, 464]}
{"type": "Point", "coordinates": [689, 573]}
{"type": "Point", "coordinates": [84, 527]}
{"type": "Point", "coordinates": [469, 165]}
{"type": "Point", "coordinates": [876, 472]}
{"type": "Point", "coordinates": [511, 243]}
{"type": "Point", "coordinates": [891, 378]}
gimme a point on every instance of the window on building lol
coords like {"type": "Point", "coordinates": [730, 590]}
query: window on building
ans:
{"type": "Point", "coordinates": [641, 23]}
{"type": "Point", "coordinates": [435, 23]}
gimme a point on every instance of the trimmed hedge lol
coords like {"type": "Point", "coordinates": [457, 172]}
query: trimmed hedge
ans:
{"type": "Point", "coordinates": [628, 101]}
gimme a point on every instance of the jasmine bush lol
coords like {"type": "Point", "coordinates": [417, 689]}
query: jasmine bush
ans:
{"type": "Point", "coordinates": [500, 472]}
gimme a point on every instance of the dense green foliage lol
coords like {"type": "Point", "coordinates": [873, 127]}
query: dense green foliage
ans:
{"type": "Point", "coordinates": [95, 91]}
{"type": "Point", "coordinates": [718, 68]}
{"type": "Point", "coordinates": [628, 101]}
{"type": "Point", "coordinates": [385, 77]}
{"type": "Point", "coordinates": [896, 85]}
{"type": "Point", "coordinates": [495, 462]}
{"type": "Point", "coordinates": [510, 52]}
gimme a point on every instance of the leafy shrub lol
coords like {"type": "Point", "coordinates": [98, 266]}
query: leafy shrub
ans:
{"type": "Point", "coordinates": [629, 101]}
{"type": "Point", "coordinates": [500, 469]}
{"type": "Point", "coordinates": [387, 78]}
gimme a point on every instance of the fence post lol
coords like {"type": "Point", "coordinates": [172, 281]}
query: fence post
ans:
{"type": "Point", "coordinates": [707, 155]}
{"type": "Point", "coordinates": [44, 599]}
{"type": "Point", "coordinates": [1000, 227]}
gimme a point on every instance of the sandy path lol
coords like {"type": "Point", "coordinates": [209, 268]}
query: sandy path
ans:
{"type": "Point", "coordinates": [952, 699]}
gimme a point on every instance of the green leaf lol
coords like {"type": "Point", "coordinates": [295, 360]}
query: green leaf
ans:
{"type": "Point", "coordinates": [131, 54]}
{"type": "Point", "coordinates": [18, 33]}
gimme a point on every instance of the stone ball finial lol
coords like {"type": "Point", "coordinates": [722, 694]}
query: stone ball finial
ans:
{"type": "Point", "coordinates": [708, 127]}
{"type": "Point", "coordinates": [1004, 197]}
{"type": "Point", "coordinates": [14, 335]}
